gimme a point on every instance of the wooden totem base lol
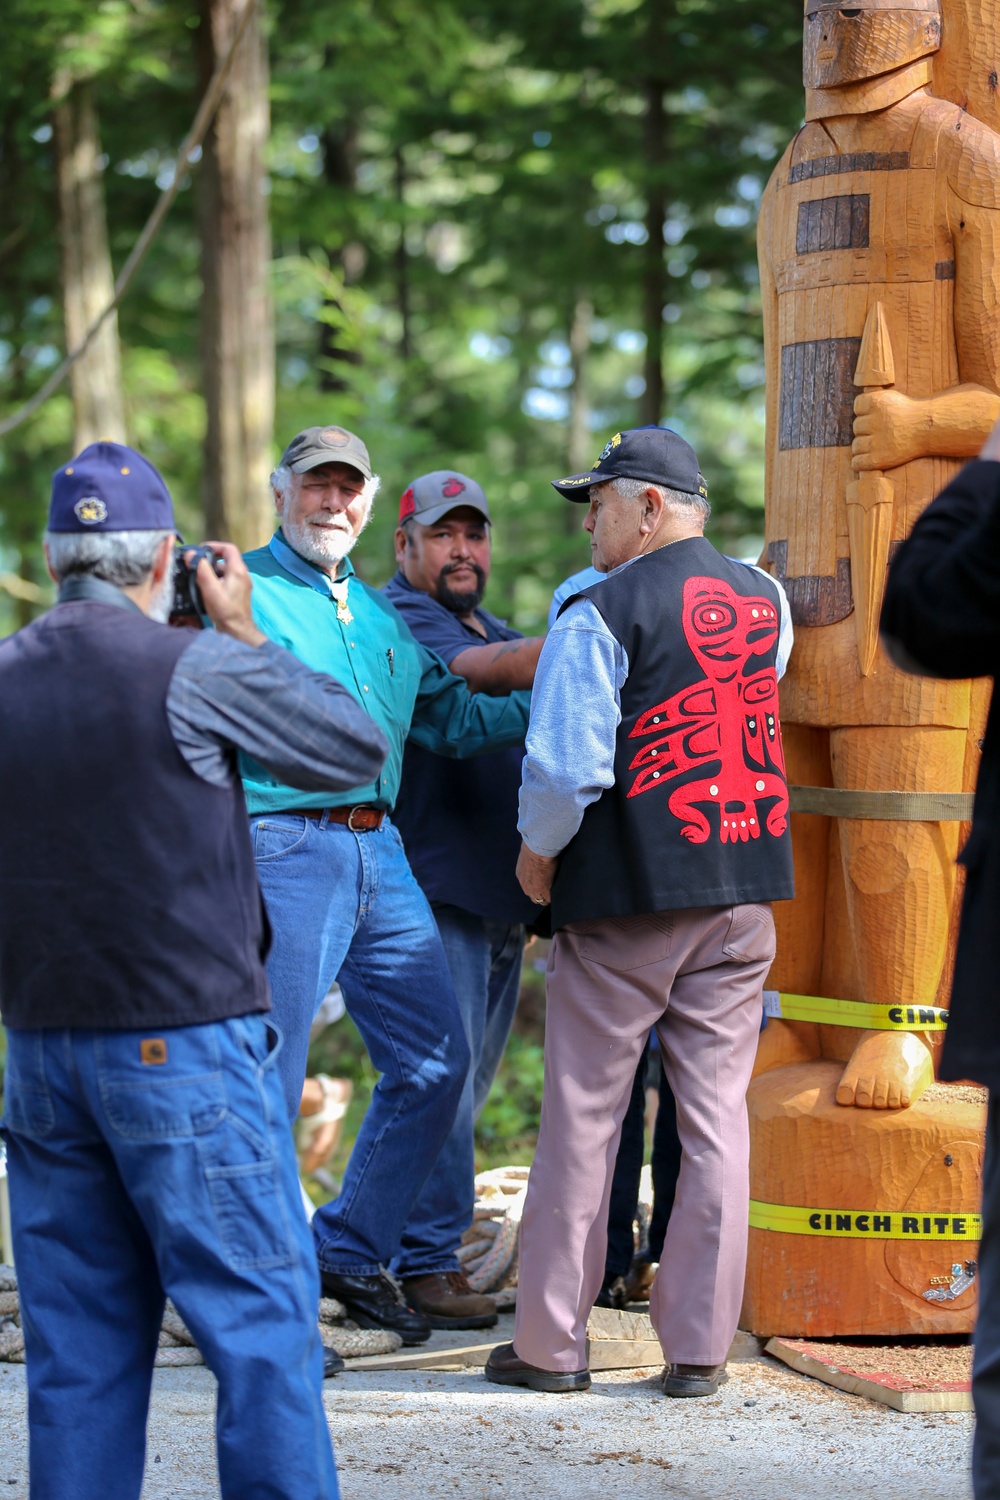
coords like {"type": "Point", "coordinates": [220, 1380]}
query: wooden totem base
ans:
{"type": "Point", "coordinates": [807, 1151]}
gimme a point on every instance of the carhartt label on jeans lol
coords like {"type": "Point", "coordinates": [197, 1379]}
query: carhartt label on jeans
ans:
{"type": "Point", "coordinates": [153, 1049]}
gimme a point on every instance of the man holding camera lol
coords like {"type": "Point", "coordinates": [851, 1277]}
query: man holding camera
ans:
{"type": "Point", "coordinates": [148, 1149]}
{"type": "Point", "coordinates": [343, 900]}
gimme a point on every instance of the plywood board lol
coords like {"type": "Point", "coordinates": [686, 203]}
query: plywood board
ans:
{"type": "Point", "coordinates": [891, 1388]}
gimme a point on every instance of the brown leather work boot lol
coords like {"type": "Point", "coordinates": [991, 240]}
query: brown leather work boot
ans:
{"type": "Point", "coordinates": [447, 1300]}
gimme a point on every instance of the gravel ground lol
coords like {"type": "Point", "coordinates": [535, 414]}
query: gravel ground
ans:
{"type": "Point", "coordinates": [769, 1435]}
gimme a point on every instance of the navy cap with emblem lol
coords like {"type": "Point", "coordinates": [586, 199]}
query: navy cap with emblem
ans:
{"type": "Point", "coordinates": [653, 453]}
{"type": "Point", "coordinates": [109, 487]}
{"type": "Point", "coordinates": [432, 496]}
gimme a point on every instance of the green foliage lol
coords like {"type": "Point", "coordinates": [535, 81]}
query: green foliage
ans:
{"type": "Point", "coordinates": [507, 1129]}
{"type": "Point", "coordinates": [449, 181]}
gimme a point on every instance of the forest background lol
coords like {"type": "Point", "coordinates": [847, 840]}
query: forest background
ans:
{"type": "Point", "coordinates": [485, 234]}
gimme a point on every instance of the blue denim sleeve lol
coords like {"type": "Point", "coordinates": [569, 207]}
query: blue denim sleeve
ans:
{"type": "Point", "coordinates": [575, 713]}
{"type": "Point", "coordinates": [574, 584]}
{"type": "Point", "coordinates": [302, 725]}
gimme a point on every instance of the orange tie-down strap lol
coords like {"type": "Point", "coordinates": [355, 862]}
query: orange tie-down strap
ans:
{"type": "Point", "coordinates": [901, 807]}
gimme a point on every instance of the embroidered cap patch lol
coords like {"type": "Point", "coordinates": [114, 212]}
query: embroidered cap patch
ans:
{"type": "Point", "coordinates": [91, 510]}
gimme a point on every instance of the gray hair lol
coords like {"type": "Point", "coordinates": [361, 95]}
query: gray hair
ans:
{"type": "Point", "coordinates": [123, 558]}
{"type": "Point", "coordinates": [281, 480]}
{"type": "Point", "coordinates": [631, 489]}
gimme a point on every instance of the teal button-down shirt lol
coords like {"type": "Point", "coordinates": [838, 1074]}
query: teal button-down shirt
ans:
{"type": "Point", "coordinates": [406, 689]}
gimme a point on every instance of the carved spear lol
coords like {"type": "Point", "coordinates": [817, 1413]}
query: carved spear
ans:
{"type": "Point", "coordinates": [870, 499]}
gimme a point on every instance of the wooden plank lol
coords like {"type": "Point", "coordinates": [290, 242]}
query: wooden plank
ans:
{"type": "Point", "coordinates": [618, 1341]}
{"type": "Point", "coordinates": [426, 1359]}
{"type": "Point", "coordinates": [944, 1398]}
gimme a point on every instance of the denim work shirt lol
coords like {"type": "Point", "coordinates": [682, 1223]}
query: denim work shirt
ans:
{"type": "Point", "coordinates": [405, 689]}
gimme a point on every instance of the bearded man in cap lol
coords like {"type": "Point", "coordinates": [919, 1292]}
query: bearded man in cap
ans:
{"type": "Point", "coordinates": [459, 822]}
{"type": "Point", "coordinates": [654, 815]}
{"type": "Point", "coordinates": [343, 900]}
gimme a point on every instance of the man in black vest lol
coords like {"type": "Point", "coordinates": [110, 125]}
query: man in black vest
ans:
{"type": "Point", "coordinates": [147, 1139]}
{"type": "Point", "coordinates": [654, 814]}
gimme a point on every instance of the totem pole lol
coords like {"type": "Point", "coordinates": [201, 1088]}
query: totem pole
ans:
{"type": "Point", "coordinates": [878, 242]}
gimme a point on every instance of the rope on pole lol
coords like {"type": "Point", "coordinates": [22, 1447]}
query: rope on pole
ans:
{"type": "Point", "coordinates": [193, 139]}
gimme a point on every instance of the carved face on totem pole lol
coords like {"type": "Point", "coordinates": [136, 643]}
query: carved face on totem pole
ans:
{"type": "Point", "coordinates": [845, 44]}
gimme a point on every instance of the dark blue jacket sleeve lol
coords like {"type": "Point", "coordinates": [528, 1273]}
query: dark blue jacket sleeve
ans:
{"type": "Point", "coordinates": [941, 614]}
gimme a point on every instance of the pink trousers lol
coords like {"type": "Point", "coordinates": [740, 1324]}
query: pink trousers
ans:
{"type": "Point", "coordinates": [696, 976]}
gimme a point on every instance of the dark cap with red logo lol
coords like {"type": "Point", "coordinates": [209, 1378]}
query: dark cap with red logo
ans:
{"type": "Point", "coordinates": [432, 496]}
{"type": "Point", "coordinates": [326, 445]}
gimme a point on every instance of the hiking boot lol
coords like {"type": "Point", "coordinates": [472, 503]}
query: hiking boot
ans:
{"type": "Point", "coordinates": [640, 1280]}
{"type": "Point", "coordinates": [613, 1293]}
{"type": "Point", "coordinates": [447, 1300]}
{"type": "Point", "coordinates": [693, 1380]}
{"type": "Point", "coordinates": [504, 1368]}
{"type": "Point", "coordinates": [376, 1302]}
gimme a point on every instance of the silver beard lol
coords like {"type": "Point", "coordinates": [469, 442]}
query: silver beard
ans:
{"type": "Point", "coordinates": [317, 545]}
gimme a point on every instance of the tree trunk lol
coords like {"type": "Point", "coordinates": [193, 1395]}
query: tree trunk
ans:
{"type": "Point", "coordinates": [340, 172]}
{"type": "Point", "coordinates": [580, 439]}
{"type": "Point", "coordinates": [237, 321]}
{"type": "Point", "coordinates": [402, 260]}
{"type": "Point", "coordinates": [88, 282]}
{"type": "Point", "coordinates": [654, 276]}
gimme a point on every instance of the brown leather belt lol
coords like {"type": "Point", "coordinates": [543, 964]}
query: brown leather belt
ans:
{"type": "Point", "coordinates": [360, 819]}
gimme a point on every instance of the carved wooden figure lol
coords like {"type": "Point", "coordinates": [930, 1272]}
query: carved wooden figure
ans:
{"type": "Point", "coordinates": [878, 243]}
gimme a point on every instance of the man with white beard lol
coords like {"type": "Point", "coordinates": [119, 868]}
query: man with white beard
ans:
{"type": "Point", "coordinates": [341, 896]}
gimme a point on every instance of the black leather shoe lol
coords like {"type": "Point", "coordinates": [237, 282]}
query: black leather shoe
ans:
{"type": "Point", "coordinates": [376, 1302]}
{"type": "Point", "coordinates": [693, 1380]}
{"type": "Point", "coordinates": [504, 1368]}
{"type": "Point", "coordinates": [332, 1363]}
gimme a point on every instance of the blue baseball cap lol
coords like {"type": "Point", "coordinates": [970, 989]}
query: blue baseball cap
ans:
{"type": "Point", "coordinates": [656, 454]}
{"type": "Point", "coordinates": [109, 487]}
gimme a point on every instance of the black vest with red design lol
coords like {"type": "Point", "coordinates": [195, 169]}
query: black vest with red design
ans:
{"type": "Point", "coordinates": [698, 814]}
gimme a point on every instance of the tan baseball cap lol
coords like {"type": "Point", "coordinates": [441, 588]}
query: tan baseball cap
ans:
{"type": "Point", "coordinates": [326, 445]}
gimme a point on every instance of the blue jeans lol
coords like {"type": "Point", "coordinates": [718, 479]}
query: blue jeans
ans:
{"type": "Point", "coordinates": [484, 960]}
{"type": "Point", "coordinates": [346, 905]}
{"type": "Point", "coordinates": [130, 1180]}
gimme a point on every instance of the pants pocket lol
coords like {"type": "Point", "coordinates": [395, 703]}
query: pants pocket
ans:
{"type": "Point", "coordinates": [750, 938]}
{"type": "Point", "coordinates": [625, 943]}
{"type": "Point", "coordinates": [278, 835]}
{"type": "Point", "coordinates": [28, 1108]}
{"type": "Point", "coordinates": [164, 1110]}
{"type": "Point", "coordinates": [249, 1215]}
{"type": "Point", "coordinates": [242, 1172]}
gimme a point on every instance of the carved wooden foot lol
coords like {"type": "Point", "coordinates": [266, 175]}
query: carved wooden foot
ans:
{"type": "Point", "coordinates": [887, 1070]}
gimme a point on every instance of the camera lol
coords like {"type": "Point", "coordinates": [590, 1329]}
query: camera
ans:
{"type": "Point", "coordinates": [188, 604]}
